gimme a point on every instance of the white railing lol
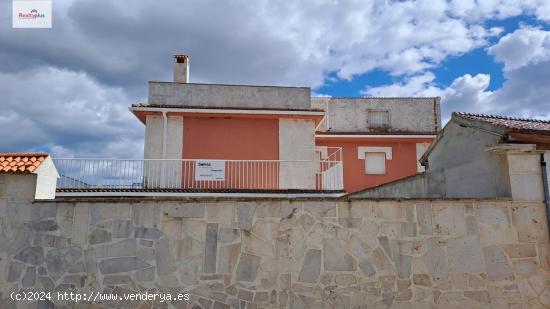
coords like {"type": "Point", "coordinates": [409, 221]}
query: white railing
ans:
{"type": "Point", "coordinates": [323, 174]}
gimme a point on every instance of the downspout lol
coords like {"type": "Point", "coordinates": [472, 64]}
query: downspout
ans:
{"type": "Point", "coordinates": [164, 138]}
{"type": "Point", "coordinates": [545, 185]}
{"type": "Point", "coordinates": [164, 133]}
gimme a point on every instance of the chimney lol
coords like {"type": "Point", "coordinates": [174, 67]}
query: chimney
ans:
{"type": "Point", "coordinates": [181, 68]}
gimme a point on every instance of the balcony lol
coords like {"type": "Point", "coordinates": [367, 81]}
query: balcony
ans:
{"type": "Point", "coordinates": [186, 176]}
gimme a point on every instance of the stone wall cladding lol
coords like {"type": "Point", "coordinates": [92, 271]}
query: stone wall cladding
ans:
{"type": "Point", "coordinates": [281, 253]}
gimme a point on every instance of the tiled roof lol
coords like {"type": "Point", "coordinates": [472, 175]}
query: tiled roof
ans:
{"type": "Point", "coordinates": [21, 162]}
{"type": "Point", "coordinates": [519, 125]}
{"type": "Point", "coordinates": [224, 107]}
{"type": "Point", "coordinates": [375, 133]}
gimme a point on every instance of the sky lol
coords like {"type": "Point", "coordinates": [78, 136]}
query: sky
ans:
{"type": "Point", "coordinates": [66, 90]}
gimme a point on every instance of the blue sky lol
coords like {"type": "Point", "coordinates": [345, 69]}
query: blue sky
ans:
{"type": "Point", "coordinates": [67, 89]}
{"type": "Point", "coordinates": [474, 62]}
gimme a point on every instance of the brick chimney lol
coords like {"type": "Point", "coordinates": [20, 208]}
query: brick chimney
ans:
{"type": "Point", "coordinates": [181, 68]}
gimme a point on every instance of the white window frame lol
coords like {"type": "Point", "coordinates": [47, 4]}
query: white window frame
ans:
{"type": "Point", "coordinates": [420, 150]}
{"type": "Point", "coordinates": [362, 155]}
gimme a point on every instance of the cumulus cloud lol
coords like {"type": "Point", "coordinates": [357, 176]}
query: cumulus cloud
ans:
{"type": "Point", "coordinates": [67, 113]}
{"type": "Point", "coordinates": [522, 47]}
{"type": "Point", "coordinates": [526, 57]}
{"type": "Point", "coordinates": [105, 52]}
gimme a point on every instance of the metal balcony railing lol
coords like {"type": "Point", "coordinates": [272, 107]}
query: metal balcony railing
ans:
{"type": "Point", "coordinates": [323, 174]}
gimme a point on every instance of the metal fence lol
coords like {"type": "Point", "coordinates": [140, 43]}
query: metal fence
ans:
{"type": "Point", "coordinates": [322, 174]}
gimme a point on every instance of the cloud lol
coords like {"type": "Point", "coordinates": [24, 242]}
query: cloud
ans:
{"type": "Point", "coordinates": [67, 113]}
{"type": "Point", "coordinates": [525, 92]}
{"type": "Point", "coordinates": [522, 47]}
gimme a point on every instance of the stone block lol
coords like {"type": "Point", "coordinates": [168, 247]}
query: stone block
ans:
{"type": "Point", "coordinates": [147, 233]}
{"type": "Point", "coordinates": [258, 246]}
{"type": "Point", "coordinates": [381, 262]}
{"type": "Point", "coordinates": [146, 274]}
{"type": "Point", "coordinates": [479, 296]}
{"type": "Point", "coordinates": [528, 218]}
{"type": "Point", "coordinates": [227, 258]}
{"type": "Point", "coordinates": [496, 264]}
{"type": "Point", "coordinates": [245, 215]}
{"type": "Point", "coordinates": [311, 267]}
{"type": "Point", "coordinates": [194, 229]}
{"type": "Point", "coordinates": [335, 256]}
{"type": "Point", "coordinates": [497, 235]}
{"type": "Point", "coordinates": [520, 251]}
{"type": "Point", "coordinates": [320, 209]}
{"type": "Point", "coordinates": [247, 269]}
{"type": "Point", "coordinates": [422, 280]}
{"type": "Point", "coordinates": [165, 264]}
{"type": "Point", "coordinates": [121, 228]}
{"type": "Point", "coordinates": [367, 268]}
{"type": "Point", "coordinates": [306, 221]}
{"type": "Point", "coordinates": [424, 218]}
{"type": "Point", "coordinates": [525, 268]}
{"type": "Point", "coordinates": [403, 265]}
{"type": "Point", "coordinates": [44, 226]}
{"type": "Point", "coordinates": [81, 223]}
{"type": "Point", "coordinates": [465, 254]}
{"type": "Point", "coordinates": [47, 240]}
{"type": "Point", "coordinates": [104, 212]}
{"type": "Point", "coordinates": [77, 268]}
{"type": "Point", "coordinates": [146, 215]}
{"type": "Point", "coordinates": [271, 209]}
{"type": "Point", "coordinates": [210, 248]}
{"type": "Point", "coordinates": [388, 210]}
{"type": "Point", "coordinates": [126, 247]}
{"type": "Point", "coordinates": [435, 260]}
{"type": "Point", "coordinates": [121, 265]}
{"type": "Point", "coordinates": [185, 210]}
{"type": "Point", "coordinates": [15, 271]}
{"type": "Point", "coordinates": [226, 234]}
{"type": "Point", "coordinates": [31, 255]}
{"type": "Point", "coordinates": [449, 219]}
{"type": "Point", "coordinates": [220, 211]}
{"type": "Point", "coordinates": [117, 280]}
{"type": "Point", "coordinates": [98, 236]}
{"type": "Point", "coordinates": [145, 253]}
{"type": "Point", "coordinates": [490, 213]}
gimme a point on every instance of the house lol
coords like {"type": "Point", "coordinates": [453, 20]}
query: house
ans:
{"type": "Point", "coordinates": [480, 156]}
{"type": "Point", "coordinates": [21, 172]}
{"type": "Point", "coordinates": [382, 139]}
{"type": "Point", "coordinates": [243, 139]}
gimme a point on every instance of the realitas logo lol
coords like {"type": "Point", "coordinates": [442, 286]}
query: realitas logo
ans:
{"type": "Point", "coordinates": [33, 14]}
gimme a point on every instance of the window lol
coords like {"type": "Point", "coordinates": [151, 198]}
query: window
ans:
{"type": "Point", "coordinates": [375, 163]}
{"type": "Point", "coordinates": [420, 150]}
{"type": "Point", "coordinates": [378, 119]}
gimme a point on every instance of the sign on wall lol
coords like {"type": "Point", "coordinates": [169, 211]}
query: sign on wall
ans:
{"type": "Point", "coordinates": [209, 170]}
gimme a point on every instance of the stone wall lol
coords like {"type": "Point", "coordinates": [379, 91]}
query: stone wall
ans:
{"type": "Point", "coordinates": [280, 253]}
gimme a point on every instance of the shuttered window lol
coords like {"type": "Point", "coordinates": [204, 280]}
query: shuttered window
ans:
{"type": "Point", "coordinates": [378, 119]}
{"type": "Point", "coordinates": [375, 163]}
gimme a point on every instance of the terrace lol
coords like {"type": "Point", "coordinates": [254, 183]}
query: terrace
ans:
{"type": "Point", "coordinates": [157, 177]}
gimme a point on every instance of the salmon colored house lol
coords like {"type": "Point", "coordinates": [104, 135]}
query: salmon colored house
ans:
{"type": "Point", "coordinates": [382, 138]}
{"type": "Point", "coordinates": [240, 139]}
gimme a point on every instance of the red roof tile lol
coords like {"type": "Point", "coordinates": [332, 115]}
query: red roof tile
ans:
{"type": "Point", "coordinates": [519, 125]}
{"type": "Point", "coordinates": [21, 162]}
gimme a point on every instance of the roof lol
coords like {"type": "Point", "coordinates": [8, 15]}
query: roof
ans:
{"type": "Point", "coordinates": [373, 133]}
{"type": "Point", "coordinates": [518, 125]}
{"type": "Point", "coordinates": [374, 98]}
{"type": "Point", "coordinates": [21, 162]}
{"type": "Point", "coordinates": [223, 108]}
